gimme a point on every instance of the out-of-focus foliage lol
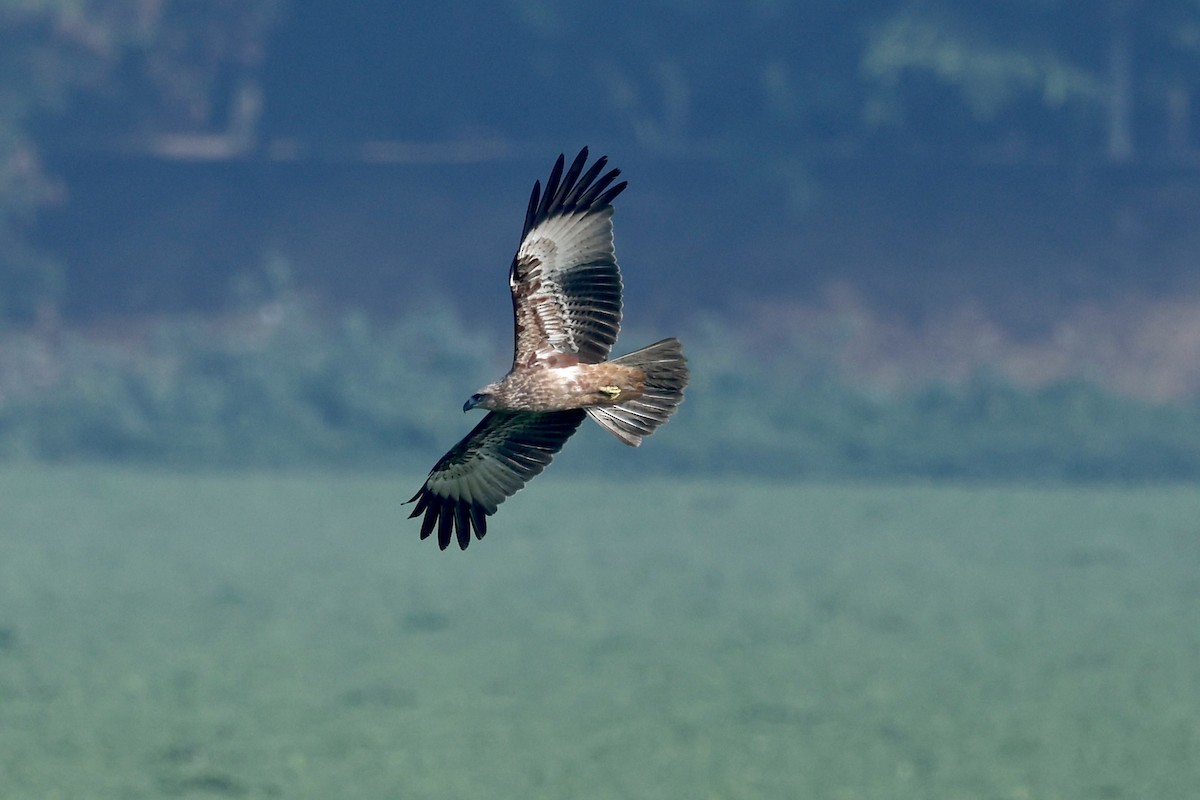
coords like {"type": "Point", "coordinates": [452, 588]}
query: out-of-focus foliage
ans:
{"type": "Point", "coordinates": [281, 388]}
{"type": "Point", "coordinates": [990, 75]}
{"type": "Point", "coordinates": [764, 89]}
{"type": "Point", "coordinates": [1036, 80]}
{"type": "Point", "coordinates": [293, 96]}
{"type": "Point", "coordinates": [134, 64]}
{"type": "Point", "coordinates": [273, 387]}
{"type": "Point", "coordinates": [794, 413]}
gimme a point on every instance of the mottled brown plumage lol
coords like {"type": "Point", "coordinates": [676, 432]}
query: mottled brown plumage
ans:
{"type": "Point", "coordinates": [566, 290]}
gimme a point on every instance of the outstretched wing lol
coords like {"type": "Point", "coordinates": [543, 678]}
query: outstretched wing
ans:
{"type": "Point", "coordinates": [490, 465]}
{"type": "Point", "coordinates": [566, 286]}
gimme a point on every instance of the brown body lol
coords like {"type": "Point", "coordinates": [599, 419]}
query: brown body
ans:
{"type": "Point", "coordinates": [566, 387]}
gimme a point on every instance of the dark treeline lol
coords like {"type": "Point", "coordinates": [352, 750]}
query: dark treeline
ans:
{"type": "Point", "coordinates": [274, 232]}
{"type": "Point", "coordinates": [155, 156]}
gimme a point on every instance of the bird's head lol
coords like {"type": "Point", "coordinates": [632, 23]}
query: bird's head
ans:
{"type": "Point", "coordinates": [481, 399]}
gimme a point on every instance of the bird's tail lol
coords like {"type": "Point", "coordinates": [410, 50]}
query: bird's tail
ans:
{"type": "Point", "coordinates": [666, 376]}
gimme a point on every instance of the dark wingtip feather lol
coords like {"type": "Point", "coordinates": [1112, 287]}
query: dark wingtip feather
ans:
{"type": "Point", "coordinates": [551, 187]}
{"type": "Point", "coordinates": [445, 523]}
{"type": "Point", "coordinates": [462, 523]}
{"type": "Point", "coordinates": [531, 209]}
{"type": "Point", "coordinates": [431, 516]}
{"type": "Point", "coordinates": [588, 198]}
{"type": "Point", "coordinates": [479, 520]}
{"type": "Point", "coordinates": [571, 202]}
{"type": "Point", "coordinates": [453, 519]}
{"type": "Point", "coordinates": [566, 188]}
{"type": "Point", "coordinates": [576, 168]}
{"type": "Point", "coordinates": [577, 190]}
{"type": "Point", "coordinates": [607, 198]}
{"type": "Point", "coordinates": [424, 501]}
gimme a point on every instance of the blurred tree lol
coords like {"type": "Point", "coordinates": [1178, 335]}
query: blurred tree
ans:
{"type": "Point", "coordinates": [767, 89]}
{"type": "Point", "coordinates": [35, 77]}
{"type": "Point", "coordinates": [1039, 79]}
{"type": "Point", "coordinates": [124, 66]}
{"type": "Point", "coordinates": [993, 74]}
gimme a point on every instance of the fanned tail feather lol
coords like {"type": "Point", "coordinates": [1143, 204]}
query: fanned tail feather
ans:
{"type": "Point", "coordinates": [666, 376]}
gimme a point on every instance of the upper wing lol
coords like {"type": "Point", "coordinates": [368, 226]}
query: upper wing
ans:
{"type": "Point", "coordinates": [491, 464]}
{"type": "Point", "coordinates": [565, 283]}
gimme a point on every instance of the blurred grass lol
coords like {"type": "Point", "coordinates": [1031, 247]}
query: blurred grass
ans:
{"type": "Point", "coordinates": [262, 635]}
{"type": "Point", "coordinates": [288, 387]}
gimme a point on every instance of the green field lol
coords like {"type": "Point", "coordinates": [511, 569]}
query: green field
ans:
{"type": "Point", "coordinates": [260, 635]}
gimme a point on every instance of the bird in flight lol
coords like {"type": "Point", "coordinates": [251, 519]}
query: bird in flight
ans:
{"type": "Point", "coordinates": [566, 294]}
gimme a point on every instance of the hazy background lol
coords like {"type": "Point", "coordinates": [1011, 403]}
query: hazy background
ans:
{"type": "Point", "coordinates": [887, 198]}
{"type": "Point", "coordinates": [925, 527]}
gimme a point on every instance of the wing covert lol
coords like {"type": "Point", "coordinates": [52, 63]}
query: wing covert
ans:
{"type": "Point", "coordinates": [565, 282]}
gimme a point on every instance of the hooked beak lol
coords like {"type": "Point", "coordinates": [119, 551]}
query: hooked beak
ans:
{"type": "Point", "coordinates": [472, 401]}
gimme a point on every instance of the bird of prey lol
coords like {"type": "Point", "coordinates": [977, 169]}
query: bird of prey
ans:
{"type": "Point", "coordinates": [566, 294]}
